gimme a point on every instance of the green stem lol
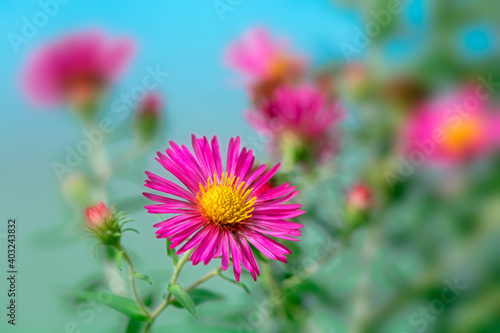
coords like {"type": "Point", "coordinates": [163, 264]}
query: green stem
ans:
{"type": "Point", "coordinates": [132, 282]}
{"type": "Point", "coordinates": [167, 300]}
{"type": "Point", "coordinates": [206, 277]}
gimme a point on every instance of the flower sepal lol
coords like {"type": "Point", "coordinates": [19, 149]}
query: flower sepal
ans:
{"type": "Point", "coordinates": [105, 225]}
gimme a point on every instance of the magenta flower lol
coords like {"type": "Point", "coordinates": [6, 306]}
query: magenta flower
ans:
{"type": "Point", "coordinates": [263, 62]}
{"type": "Point", "coordinates": [219, 213]}
{"type": "Point", "coordinates": [76, 68]}
{"type": "Point", "coordinates": [451, 129]}
{"type": "Point", "coordinates": [301, 116]}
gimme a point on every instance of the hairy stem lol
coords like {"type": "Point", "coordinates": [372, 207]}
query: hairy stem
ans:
{"type": "Point", "coordinates": [167, 300]}
{"type": "Point", "coordinates": [132, 282]}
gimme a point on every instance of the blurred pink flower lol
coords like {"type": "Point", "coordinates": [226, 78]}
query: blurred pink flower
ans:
{"type": "Point", "coordinates": [302, 116]}
{"type": "Point", "coordinates": [263, 61]}
{"type": "Point", "coordinates": [75, 68]}
{"type": "Point", "coordinates": [452, 128]}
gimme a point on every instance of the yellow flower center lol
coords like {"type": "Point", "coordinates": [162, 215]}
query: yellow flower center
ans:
{"type": "Point", "coordinates": [459, 137]}
{"type": "Point", "coordinates": [225, 201]}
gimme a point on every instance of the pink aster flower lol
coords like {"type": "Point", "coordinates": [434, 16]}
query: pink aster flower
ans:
{"type": "Point", "coordinates": [75, 68]}
{"type": "Point", "coordinates": [302, 116]}
{"type": "Point", "coordinates": [451, 129]}
{"type": "Point", "coordinates": [263, 61]}
{"type": "Point", "coordinates": [219, 212]}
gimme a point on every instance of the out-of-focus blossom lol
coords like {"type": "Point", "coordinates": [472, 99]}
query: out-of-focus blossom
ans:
{"type": "Point", "coordinates": [221, 212]}
{"type": "Point", "coordinates": [358, 203]}
{"type": "Point", "coordinates": [264, 62]}
{"type": "Point", "coordinates": [359, 197]}
{"type": "Point", "coordinates": [148, 116]}
{"type": "Point", "coordinates": [301, 119]}
{"type": "Point", "coordinates": [98, 215]}
{"type": "Point", "coordinates": [76, 69]}
{"type": "Point", "coordinates": [451, 129]}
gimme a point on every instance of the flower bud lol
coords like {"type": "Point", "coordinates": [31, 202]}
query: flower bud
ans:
{"type": "Point", "coordinates": [103, 224]}
{"type": "Point", "coordinates": [359, 203]}
{"type": "Point", "coordinates": [97, 215]}
{"type": "Point", "coordinates": [148, 117]}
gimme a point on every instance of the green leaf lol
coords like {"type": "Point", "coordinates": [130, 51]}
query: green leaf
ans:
{"type": "Point", "coordinates": [125, 222]}
{"type": "Point", "coordinates": [199, 296]}
{"type": "Point", "coordinates": [131, 229]}
{"type": "Point", "coordinates": [183, 298]}
{"type": "Point", "coordinates": [171, 253]}
{"type": "Point", "coordinates": [241, 284]}
{"type": "Point", "coordinates": [121, 304]}
{"type": "Point", "coordinates": [134, 326]}
{"type": "Point", "coordinates": [143, 277]}
{"type": "Point", "coordinates": [119, 257]}
{"type": "Point", "coordinates": [94, 248]}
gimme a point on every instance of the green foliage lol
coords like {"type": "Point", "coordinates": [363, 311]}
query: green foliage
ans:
{"type": "Point", "coordinates": [199, 296]}
{"type": "Point", "coordinates": [119, 257]}
{"type": "Point", "coordinates": [171, 253]}
{"type": "Point", "coordinates": [143, 277]}
{"type": "Point", "coordinates": [121, 304]}
{"type": "Point", "coordinates": [183, 298]}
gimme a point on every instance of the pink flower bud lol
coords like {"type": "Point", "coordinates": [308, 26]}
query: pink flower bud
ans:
{"type": "Point", "coordinates": [151, 104]}
{"type": "Point", "coordinates": [148, 116]}
{"type": "Point", "coordinates": [359, 202]}
{"type": "Point", "coordinates": [359, 198]}
{"type": "Point", "coordinates": [98, 215]}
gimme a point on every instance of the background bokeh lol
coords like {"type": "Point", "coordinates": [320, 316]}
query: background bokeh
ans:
{"type": "Point", "coordinates": [438, 45]}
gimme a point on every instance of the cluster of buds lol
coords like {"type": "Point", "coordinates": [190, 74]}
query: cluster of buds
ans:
{"type": "Point", "coordinates": [358, 205]}
{"type": "Point", "coordinates": [104, 224]}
